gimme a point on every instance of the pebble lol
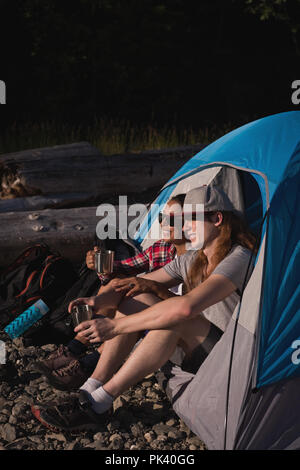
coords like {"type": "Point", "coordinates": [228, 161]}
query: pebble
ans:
{"type": "Point", "coordinates": [157, 406]}
{"type": "Point", "coordinates": [149, 436]}
{"type": "Point", "coordinates": [118, 403]}
{"type": "Point", "coordinates": [12, 420]}
{"type": "Point", "coordinates": [57, 437]}
{"type": "Point", "coordinates": [143, 417]}
{"type": "Point", "coordinates": [8, 432]}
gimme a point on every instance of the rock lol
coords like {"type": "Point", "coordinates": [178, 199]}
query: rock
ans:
{"type": "Point", "coordinates": [36, 439]}
{"type": "Point", "coordinates": [18, 409]}
{"type": "Point", "coordinates": [118, 403]}
{"type": "Point", "coordinates": [57, 437]}
{"type": "Point", "coordinates": [96, 446]}
{"type": "Point", "coordinates": [162, 429]}
{"type": "Point", "coordinates": [8, 432]}
{"type": "Point", "coordinates": [134, 447]}
{"type": "Point", "coordinates": [114, 436]}
{"type": "Point", "coordinates": [116, 442]}
{"type": "Point", "coordinates": [3, 418]}
{"type": "Point", "coordinates": [49, 347]}
{"type": "Point", "coordinates": [194, 440]}
{"type": "Point", "coordinates": [18, 343]}
{"type": "Point", "coordinates": [149, 436]}
{"type": "Point", "coordinates": [99, 437]}
{"type": "Point", "coordinates": [162, 437]}
{"type": "Point", "coordinates": [171, 422]}
{"type": "Point", "coordinates": [143, 417]}
{"type": "Point", "coordinates": [12, 420]}
{"type": "Point", "coordinates": [136, 430]}
{"type": "Point", "coordinates": [19, 444]}
{"type": "Point", "coordinates": [147, 384]}
{"type": "Point", "coordinates": [84, 442]}
{"type": "Point", "coordinates": [2, 402]}
{"type": "Point", "coordinates": [157, 406]}
{"type": "Point", "coordinates": [175, 434]}
{"type": "Point", "coordinates": [70, 446]}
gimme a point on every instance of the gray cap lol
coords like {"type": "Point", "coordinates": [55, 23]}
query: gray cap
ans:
{"type": "Point", "coordinates": [212, 197]}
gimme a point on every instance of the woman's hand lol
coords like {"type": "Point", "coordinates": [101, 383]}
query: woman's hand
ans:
{"type": "Point", "coordinates": [90, 258]}
{"type": "Point", "coordinates": [97, 330]}
{"type": "Point", "coordinates": [133, 286]}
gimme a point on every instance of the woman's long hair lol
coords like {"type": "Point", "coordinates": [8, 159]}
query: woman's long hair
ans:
{"type": "Point", "coordinates": [233, 230]}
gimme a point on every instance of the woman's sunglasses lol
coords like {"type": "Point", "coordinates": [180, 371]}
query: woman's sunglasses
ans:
{"type": "Point", "coordinates": [169, 219]}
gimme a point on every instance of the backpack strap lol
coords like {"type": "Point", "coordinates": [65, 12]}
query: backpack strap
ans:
{"type": "Point", "coordinates": [27, 284]}
{"type": "Point", "coordinates": [21, 258]}
{"type": "Point", "coordinates": [53, 259]}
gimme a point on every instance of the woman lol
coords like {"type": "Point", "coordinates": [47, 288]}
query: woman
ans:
{"type": "Point", "coordinates": [215, 275]}
{"type": "Point", "coordinates": [69, 366]}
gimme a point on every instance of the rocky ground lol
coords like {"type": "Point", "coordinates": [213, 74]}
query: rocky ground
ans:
{"type": "Point", "coordinates": [143, 418]}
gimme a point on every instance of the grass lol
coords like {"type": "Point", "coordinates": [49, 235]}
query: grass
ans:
{"type": "Point", "coordinates": [109, 136]}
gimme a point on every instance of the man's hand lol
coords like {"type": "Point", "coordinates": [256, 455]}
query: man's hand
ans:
{"type": "Point", "coordinates": [97, 330]}
{"type": "Point", "coordinates": [91, 301]}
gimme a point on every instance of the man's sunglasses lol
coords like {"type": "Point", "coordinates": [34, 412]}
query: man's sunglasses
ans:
{"type": "Point", "coordinates": [169, 219]}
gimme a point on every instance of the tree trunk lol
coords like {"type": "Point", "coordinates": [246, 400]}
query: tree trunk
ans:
{"type": "Point", "coordinates": [69, 231]}
{"type": "Point", "coordinates": [81, 169]}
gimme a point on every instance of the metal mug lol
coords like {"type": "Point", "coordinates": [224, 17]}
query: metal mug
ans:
{"type": "Point", "coordinates": [104, 261]}
{"type": "Point", "coordinates": [81, 313]}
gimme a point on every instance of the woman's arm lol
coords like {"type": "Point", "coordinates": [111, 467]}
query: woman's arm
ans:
{"type": "Point", "coordinates": [164, 314]}
{"type": "Point", "coordinates": [177, 309]}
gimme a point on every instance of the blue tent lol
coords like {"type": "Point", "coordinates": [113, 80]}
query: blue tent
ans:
{"type": "Point", "coordinates": [266, 155]}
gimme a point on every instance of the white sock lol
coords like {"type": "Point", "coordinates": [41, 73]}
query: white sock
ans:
{"type": "Point", "coordinates": [101, 400]}
{"type": "Point", "coordinates": [91, 385]}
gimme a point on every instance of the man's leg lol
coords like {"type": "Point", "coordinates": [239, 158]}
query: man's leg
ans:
{"type": "Point", "coordinates": [116, 350]}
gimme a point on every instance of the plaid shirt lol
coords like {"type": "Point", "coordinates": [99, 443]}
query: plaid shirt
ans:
{"type": "Point", "coordinates": [154, 257]}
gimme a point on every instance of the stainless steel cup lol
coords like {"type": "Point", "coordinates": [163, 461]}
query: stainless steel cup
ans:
{"type": "Point", "coordinates": [81, 313]}
{"type": "Point", "coordinates": [104, 261]}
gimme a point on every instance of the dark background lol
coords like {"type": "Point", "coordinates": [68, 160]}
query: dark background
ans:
{"type": "Point", "coordinates": [172, 62]}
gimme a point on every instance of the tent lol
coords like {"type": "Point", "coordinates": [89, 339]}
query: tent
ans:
{"type": "Point", "coordinates": [245, 394]}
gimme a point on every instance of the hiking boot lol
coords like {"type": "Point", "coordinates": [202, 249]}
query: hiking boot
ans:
{"type": "Point", "coordinates": [59, 358]}
{"type": "Point", "coordinates": [70, 377]}
{"type": "Point", "coordinates": [76, 415]}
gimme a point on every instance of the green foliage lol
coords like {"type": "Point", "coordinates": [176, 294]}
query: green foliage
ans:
{"type": "Point", "coordinates": [110, 137]}
{"type": "Point", "coordinates": [284, 11]}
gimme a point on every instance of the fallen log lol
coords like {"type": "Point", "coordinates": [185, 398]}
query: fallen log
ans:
{"type": "Point", "coordinates": [80, 168]}
{"type": "Point", "coordinates": [51, 201]}
{"type": "Point", "coordinates": [69, 231]}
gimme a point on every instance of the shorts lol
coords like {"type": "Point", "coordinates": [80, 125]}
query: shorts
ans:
{"type": "Point", "coordinates": [192, 362]}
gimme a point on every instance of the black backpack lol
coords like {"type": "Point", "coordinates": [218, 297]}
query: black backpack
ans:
{"type": "Point", "coordinates": [29, 277]}
{"type": "Point", "coordinates": [56, 327]}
